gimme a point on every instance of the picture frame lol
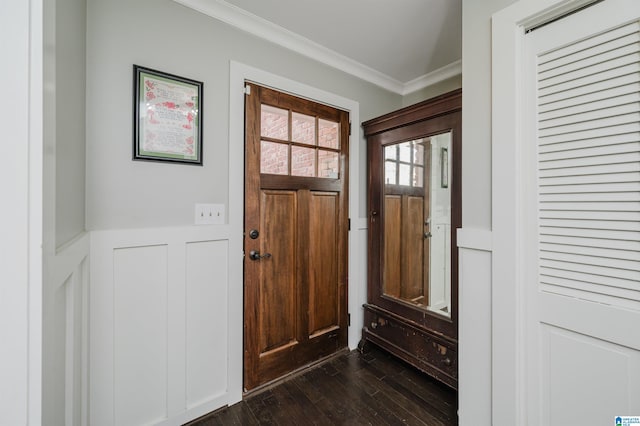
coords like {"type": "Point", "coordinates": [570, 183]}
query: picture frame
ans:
{"type": "Point", "coordinates": [167, 111]}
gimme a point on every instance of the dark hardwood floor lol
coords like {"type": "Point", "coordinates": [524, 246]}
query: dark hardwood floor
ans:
{"type": "Point", "coordinates": [370, 388]}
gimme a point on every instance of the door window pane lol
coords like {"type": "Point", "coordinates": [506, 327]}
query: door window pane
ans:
{"type": "Point", "coordinates": [303, 128]}
{"type": "Point", "coordinates": [390, 172]}
{"type": "Point", "coordinates": [274, 158]}
{"type": "Point", "coordinates": [418, 176]}
{"type": "Point", "coordinates": [405, 152]}
{"type": "Point", "coordinates": [274, 122]}
{"type": "Point", "coordinates": [328, 164]}
{"type": "Point", "coordinates": [405, 175]}
{"type": "Point", "coordinates": [328, 134]}
{"type": "Point", "coordinates": [418, 152]}
{"type": "Point", "coordinates": [303, 161]}
{"type": "Point", "coordinates": [391, 152]}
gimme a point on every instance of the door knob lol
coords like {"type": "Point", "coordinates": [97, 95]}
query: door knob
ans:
{"type": "Point", "coordinates": [427, 234]}
{"type": "Point", "coordinates": [255, 255]}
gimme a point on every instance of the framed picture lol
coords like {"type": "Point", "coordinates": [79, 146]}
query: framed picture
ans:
{"type": "Point", "coordinates": [166, 119]}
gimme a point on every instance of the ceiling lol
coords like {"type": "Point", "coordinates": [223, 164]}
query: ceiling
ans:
{"type": "Point", "coordinates": [401, 45]}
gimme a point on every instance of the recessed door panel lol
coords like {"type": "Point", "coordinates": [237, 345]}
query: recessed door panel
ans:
{"type": "Point", "coordinates": [392, 244]}
{"type": "Point", "coordinates": [323, 262]}
{"type": "Point", "coordinates": [278, 281]}
{"type": "Point", "coordinates": [413, 254]}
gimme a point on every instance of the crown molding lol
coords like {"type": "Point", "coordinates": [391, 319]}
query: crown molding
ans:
{"type": "Point", "coordinates": [452, 70]}
{"type": "Point", "coordinates": [267, 30]}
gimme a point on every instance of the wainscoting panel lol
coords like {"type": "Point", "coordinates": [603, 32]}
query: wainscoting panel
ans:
{"type": "Point", "coordinates": [66, 282]}
{"type": "Point", "coordinates": [140, 334]}
{"type": "Point", "coordinates": [204, 339]}
{"type": "Point", "coordinates": [475, 334]}
{"type": "Point", "coordinates": [158, 324]}
{"type": "Point", "coordinates": [357, 278]}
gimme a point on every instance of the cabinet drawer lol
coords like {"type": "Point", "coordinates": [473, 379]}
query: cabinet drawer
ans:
{"type": "Point", "coordinates": [427, 352]}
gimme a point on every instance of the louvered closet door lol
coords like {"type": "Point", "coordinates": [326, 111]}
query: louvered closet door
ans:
{"type": "Point", "coordinates": [583, 206]}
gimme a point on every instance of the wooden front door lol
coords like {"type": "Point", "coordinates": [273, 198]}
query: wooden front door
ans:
{"type": "Point", "coordinates": [296, 226]}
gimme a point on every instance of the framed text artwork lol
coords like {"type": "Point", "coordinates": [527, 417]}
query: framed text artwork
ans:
{"type": "Point", "coordinates": [167, 111]}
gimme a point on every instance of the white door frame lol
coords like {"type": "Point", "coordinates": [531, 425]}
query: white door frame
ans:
{"type": "Point", "coordinates": [509, 403]}
{"type": "Point", "coordinates": [239, 73]}
{"type": "Point", "coordinates": [22, 192]}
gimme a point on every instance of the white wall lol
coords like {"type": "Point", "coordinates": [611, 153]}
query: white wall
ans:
{"type": "Point", "coordinates": [70, 64]}
{"type": "Point", "coordinates": [474, 240]}
{"type": "Point", "coordinates": [166, 36]}
{"type": "Point", "coordinates": [434, 90]}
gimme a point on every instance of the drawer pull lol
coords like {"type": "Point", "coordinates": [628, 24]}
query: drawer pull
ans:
{"type": "Point", "coordinates": [447, 361]}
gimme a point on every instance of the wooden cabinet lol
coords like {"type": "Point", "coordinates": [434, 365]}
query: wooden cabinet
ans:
{"type": "Point", "coordinates": [414, 197]}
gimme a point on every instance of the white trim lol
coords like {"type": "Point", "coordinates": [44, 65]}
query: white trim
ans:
{"type": "Point", "coordinates": [509, 383]}
{"type": "Point", "coordinates": [239, 73]}
{"type": "Point", "coordinates": [36, 154]}
{"type": "Point", "coordinates": [474, 239]}
{"type": "Point", "coordinates": [448, 71]}
{"type": "Point", "coordinates": [21, 228]}
{"type": "Point", "coordinates": [267, 30]}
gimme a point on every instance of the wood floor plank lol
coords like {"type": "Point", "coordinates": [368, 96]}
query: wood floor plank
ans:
{"type": "Point", "coordinates": [343, 403]}
{"type": "Point", "coordinates": [370, 388]}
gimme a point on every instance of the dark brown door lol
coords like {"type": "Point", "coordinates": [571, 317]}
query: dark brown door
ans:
{"type": "Point", "coordinates": [295, 233]}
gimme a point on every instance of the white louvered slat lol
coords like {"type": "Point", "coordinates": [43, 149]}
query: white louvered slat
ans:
{"type": "Point", "coordinates": [581, 259]}
{"type": "Point", "coordinates": [632, 186]}
{"type": "Point", "coordinates": [590, 197]}
{"type": "Point", "coordinates": [589, 251]}
{"type": "Point", "coordinates": [595, 105]}
{"type": "Point", "coordinates": [561, 54]}
{"type": "Point", "coordinates": [550, 278]}
{"type": "Point", "coordinates": [626, 45]}
{"type": "Point", "coordinates": [591, 79]}
{"type": "Point", "coordinates": [588, 116]}
{"type": "Point", "coordinates": [591, 160]}
{"type": "Point", "coordinates": [583, 126]}
{"type": "Point", "coordinates": [604, 271]}
{"type": "Point", "coordinates": [557, 152]}
{"type": "Point", "coordinates": [590, 179]}
{"type": "Point", "coordinates": [591, 278]}
{"type": "Point", "coordinates": [602, 234]}
{"type": "Point", "coordinates": [590, 215]}
{"type": "Point", "coordinates": [596, 67]}
{"type": "Point", "coordinates": [579, 99]}
{"type": "Point", "coordinates": [590, 134]}
{"type": "Point", "coordinates": [602, 169]}
{"type": "Point", "coordinates": [599, 86]}
{"type": "Point", "coordinates": [589, 168]}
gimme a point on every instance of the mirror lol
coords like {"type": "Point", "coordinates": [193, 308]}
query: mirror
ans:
{"type": "Point", "coordinates": [417, 222]}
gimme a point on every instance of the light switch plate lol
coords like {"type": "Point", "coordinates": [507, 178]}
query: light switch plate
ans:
{"type": "Point", "coordinates": [209, 214]}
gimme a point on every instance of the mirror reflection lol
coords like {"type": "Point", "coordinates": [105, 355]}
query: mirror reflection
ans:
{"type": "Point", "coordinates": [417, 222]}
